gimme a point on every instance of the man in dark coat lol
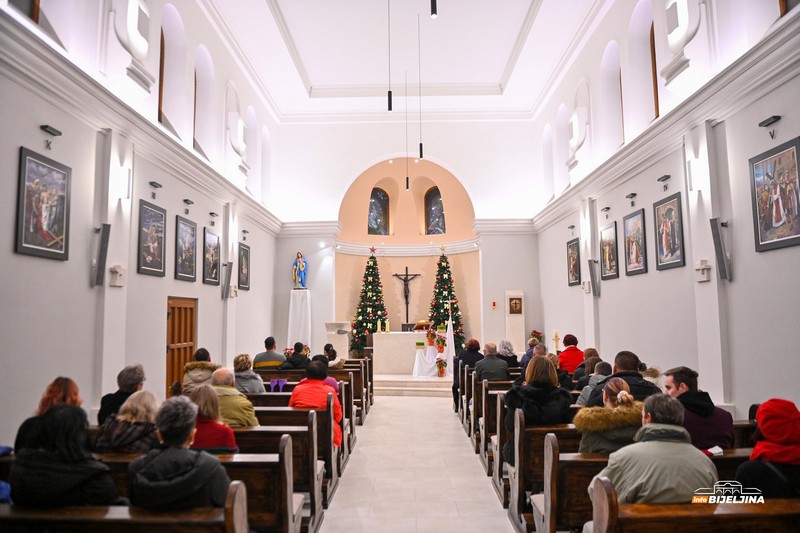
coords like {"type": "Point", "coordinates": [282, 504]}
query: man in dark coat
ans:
{"type": "Point", "coordinates": [625, 366]}
{"type": "Point", "coordinates": [707, 424]}
{"type": "Point", "coordinates": [129, 380]}
{"type": "Point", "coordinates": [297, 361]}
{"type": "Point", "coordinates": [470, 356]}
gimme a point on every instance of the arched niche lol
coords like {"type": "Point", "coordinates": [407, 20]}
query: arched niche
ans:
{"type": "Point", "coordinates": [641, 78]}
{"type": "Point", "coordinates": [234, 133]}
{"type": "Point", "coordinates": [609, 102]}
{"type": "Point", "coordinates": [175, 101]}
{"type": "Point", "coordinates": [579, 125]}
{"type": "Point", "coordinates": [253, 182]}
{"type": "Point", "coordinates": [266, 165]}
{"type": "Point", "coordinates": [205, 112]}
{"type": "Point", "coordinates": [561, 171]}
{"type": "Point", "coordinates": [406, 207]}
{"type": "Point", "coordinates": [548, 179]}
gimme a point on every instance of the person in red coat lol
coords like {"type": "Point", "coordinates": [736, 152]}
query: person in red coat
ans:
{"type": "Point", "coordinates": [212, 435]}
{"type": "Point", "coordinates": [313, 393]}
{"type": "Point", "coordinates": [570, 357]}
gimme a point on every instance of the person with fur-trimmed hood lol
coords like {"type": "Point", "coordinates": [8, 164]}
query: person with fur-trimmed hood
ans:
{"type": "Point", "coordinates": [198, 372]}
{"type": "Point", "coordinates": [607, 429]}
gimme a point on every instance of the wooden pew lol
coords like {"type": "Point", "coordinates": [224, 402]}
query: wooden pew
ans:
{"type": "Point", "coordinates": [743, 433]}
{"type": "Point", "coordinates": [466, 383]}
{"type": "Point", "coordinates": [360, 370]}
{"type": "Point", "coordinates": [230, 519]}
{"type": "Point", "coordinates": [609, 515]}
{"type": "Point", "coordinates": [565, 503]}
{"type": "Point", "coordinates": [487, 423]}
{"type": "Point", "coordinates": [308, 472]}
{"type": "Point", "coordinates": [496, 442]}
{"type": "Point", "coordinates": [369, 376]}
{"type": "Point", "coordinates": [527, 473]}
{"type": "Point", "coordinates": [291, 416]}
{"type": "Point", "coordinates": [472, 388]}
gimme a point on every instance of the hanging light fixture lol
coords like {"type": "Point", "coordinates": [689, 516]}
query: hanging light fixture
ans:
{"type": "Point", "coordinates": [419, 78]}
{"type": "Point", "coordinates": [433, 9]}
{"type": "Point", "coordinates": [405, 78]}
{"type": "Point", "coordinates": [389, 34]}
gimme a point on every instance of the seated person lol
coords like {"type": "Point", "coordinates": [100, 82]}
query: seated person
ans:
{"type": "Point", "coordinates": [707, 424]}
{"type": "Point", "coordinates": [601, 371]}
{"type": "Point", "coordinates": [774, 466]}
{"type": "Point", "coordinates": [332, 383]}
{"type": "Point", "coordinates": [564, 379]}
{"type": "Point", "coordinates": [588, 368]}
{"type": "Point", "coordinates": [470, 355]}
{"type": "Point", "coordinates": [581, 370]}
{"type": "Point", "coordinates": [571, 356]}
{"type": "Point", "coordinates": [247, 381]}
{"type": "Point", "coordinates": [129, 380]}
{"type": "Point", "coordinates": [175, 478]}
{"type": "Point", "coordinates": [626, 366]}
{"type": "Point", "coordinates": [198, 372]}
{"type": "Point", "coordinates": [529, 353]}
{"type": "Point", "coordinates": [505, 352]}
{"type": "Point", "coordinates": [313, 392]}
{"type": "Point", "coordinates": [542, 401]}
{"type": "Point", "coordinates": [61, 391]}
{"type": "Point", "coordinates": [491, 367]}
{"type": "Point", "coordinates": [211, 434]}
{"type": "Point", "coordinates": [61, 470]}
{"type": "Point", "coordinates": [133, 429]}
{"type": "Point", "coordinates": [607, 429]}
{"type": "Point", "coordinates": [269, 358]}
{"type": "Point", "coordinates": [298, 360]}
{"type": "Point", "coordinates": [235, 408]}
{"type": "Point", "coordinates": [330, 353]}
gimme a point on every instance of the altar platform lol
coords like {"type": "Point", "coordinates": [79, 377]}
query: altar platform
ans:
{"type": "Point", "coordinates": [405, 385]}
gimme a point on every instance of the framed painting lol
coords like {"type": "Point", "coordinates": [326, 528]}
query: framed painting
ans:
{"type": "Point", "coordinates": [573, 262]}
{"type": "Point", "coordinates": [185, 249]}
{"type": "Point", "coordinates": [152, 230]}
{"type": "Point", "coordinates": [668, 226]}
{"type": "Point", "coordinates": [775, 191]}
{"type": "Point", "coordinates": [515, 306]}
{"type": "Point", "coordinates": [43, 207]}
{"type": "Point", "coordinates": [244, 267]}
{"type": "Point", "coordinates": [211, 251]}
{"type": "Point", "coordinates": [635, 243]}
{"type": "Point", "coordinates": [609, 268]}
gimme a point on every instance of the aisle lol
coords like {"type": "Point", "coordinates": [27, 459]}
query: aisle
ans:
{"type": "Point", "coordinates": [413, 470]}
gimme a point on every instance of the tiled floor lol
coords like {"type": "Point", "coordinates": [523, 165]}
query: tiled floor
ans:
{"type": "Point", "coordinates": [413, 470]}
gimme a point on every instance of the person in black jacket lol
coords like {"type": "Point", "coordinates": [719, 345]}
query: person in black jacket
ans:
{"type": "Point", "coordinates": [177, 478]}
{"type": "Point", "coordinates": [564, 379]}
{"type": "Point", "coordinates": [542, 401]}
{"type": "Point", "coordinates": [625, 366]}
{"type": "Point", "coordinates": [129, 380]}
{"type": "Point", "coordinates": [469, 356]}
{"type": "Point", "coordinates": [298, 360]}
{"type": "Point", "coordinates": [61, 471]}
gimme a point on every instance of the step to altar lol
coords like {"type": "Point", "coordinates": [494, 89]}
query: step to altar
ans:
{"type": "Point", "coordinates": [405, 385]}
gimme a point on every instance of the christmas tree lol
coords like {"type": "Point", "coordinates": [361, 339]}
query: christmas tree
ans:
{"type": "Point", "coordinates": [443, 292]}
{"type": "Point", "coordinates": [371, 307]}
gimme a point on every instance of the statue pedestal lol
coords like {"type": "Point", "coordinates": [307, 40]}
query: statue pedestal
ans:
{"type": "Point", "coordinates": [299, 317]}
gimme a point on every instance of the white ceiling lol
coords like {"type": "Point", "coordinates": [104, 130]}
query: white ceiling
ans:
{"type": "Point", "coordinates": [329, 59]}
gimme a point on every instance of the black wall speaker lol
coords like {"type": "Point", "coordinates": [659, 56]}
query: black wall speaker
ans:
{"type": "Point", "coordinates": [99, 269]}
{"type": "Point", "coordinates": [723, 263]}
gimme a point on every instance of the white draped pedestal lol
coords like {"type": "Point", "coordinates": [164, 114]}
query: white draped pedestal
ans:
{"type": "Point", "coordinates": [299, 317]}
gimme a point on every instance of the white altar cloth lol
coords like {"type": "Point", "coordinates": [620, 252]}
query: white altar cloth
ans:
{"type": "Point", "coordinates": [423, 366]}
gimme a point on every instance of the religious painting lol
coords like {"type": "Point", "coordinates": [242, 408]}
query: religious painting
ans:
{"type": "Point", "coordinates": [573, 262]}
{"type": "Point", "coordinates": [185, 249]}
{"type": "Point", "coordinates": [43, 207]}
{"type": "Point", "coordinates": [152, 230]}
{"type": "Point", "coordinates": [609, 268]}
{"type": "Point", "coordinates": [515, 306]}
{"type": "Point", "coordinates": [775, 192]}
{"type": "Point", "coordinates": [635, 243]}
{"type": "Point", "coordinates": [211, 257]}
{"type": "Point", "coordinates": [668, 226]}
{"type": "Point", "coordinates": [378, 215]}
{"type": "Point", "coordinates": [244, 267]}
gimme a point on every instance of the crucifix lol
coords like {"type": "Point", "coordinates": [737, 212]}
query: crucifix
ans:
{"type": "Point", "coordinates": [406, 278]}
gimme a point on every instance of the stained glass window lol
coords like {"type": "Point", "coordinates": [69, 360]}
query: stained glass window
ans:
{"type": "Point", "coordinates": [434, 212]}
{"type": "Point", "coordinates": [378, 217]}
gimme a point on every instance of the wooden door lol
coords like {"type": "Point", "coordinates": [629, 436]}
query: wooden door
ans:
{"type": "Point", "coordinates": [181, 336]}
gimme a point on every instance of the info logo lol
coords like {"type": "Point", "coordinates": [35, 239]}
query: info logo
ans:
{"type": "Point", "coordinates": [727, 492]}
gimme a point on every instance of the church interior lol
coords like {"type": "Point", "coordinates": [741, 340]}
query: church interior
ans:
{"type": "Point", "coordinates": [611, 162]}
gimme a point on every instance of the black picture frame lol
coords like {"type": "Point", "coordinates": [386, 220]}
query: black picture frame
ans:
{"type": "Point", "coordinates": [244, 267]}
{"type": "Point", "coordinates": [152, 239]}
{"type": "Point", "coordinates": [185, 249]}
{"type": "Point", "coordinates": [573, 262]}
{"type": "Point", "coordinates": [775, 194]}
{"type": "Point", "coordinates": [634, 238]}
{"type": "Point", "coordinates": [43, 204]}
{"type": "Point", "coordinates": [211, 257]}
{"type": "Point", "coordinates": [515, 305]}
{"type": "Point", "coordinates": [668, 228]}
{"type": "Point", "coordinates": [609, 263]}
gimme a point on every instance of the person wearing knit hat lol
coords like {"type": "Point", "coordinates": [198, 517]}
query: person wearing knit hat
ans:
{"type": "Point", "coordinates": [774, 466]}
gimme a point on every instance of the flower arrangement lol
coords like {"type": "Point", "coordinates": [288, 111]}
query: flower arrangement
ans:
{"type": "Point", "coordinates": [288, 352]}
{"type": "Point", "coordinates": [537, 335]}
{"type": "Point", "coordinates": [441, 340]}
{"type": "Point", "coordinates": [441, 366]}
{"type": "Point", "coordinates": [431, 336]}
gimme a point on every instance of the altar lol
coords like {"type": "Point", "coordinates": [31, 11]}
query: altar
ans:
{"type": "Point", "coordinates": [397, 353]}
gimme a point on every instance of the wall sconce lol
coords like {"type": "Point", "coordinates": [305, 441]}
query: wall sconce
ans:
{"type": "Point", "coordinates": [213, 215]}
{"type": "Point", "coordinates": [187, 201]}
{"type": "Point", "coordinates": [630, 197]}
{"type": "Point", "coordinates": [606, 210]}
{"type": "Point", "coordinates": [434, 13]}
{"type": "Point", "coordinates": [155, 185]}
{"type": "Point", "coordinates": [767, 122]}
{"type": "Point", "coordinates": [244, 234]}
{"type": "Point", "coordinates": [571, 228]}
{"type": "Point", "coordinates": [55, 133]}
{"type": "Point", "coordinates": [664, 179]}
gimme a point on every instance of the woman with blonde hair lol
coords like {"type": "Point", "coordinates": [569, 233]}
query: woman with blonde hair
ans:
{"type": "Point", "coordinates": [542, 401]}
{"type": "Point", "coordinates": [212, 435]}
{"type": "Point", "coordinates": [607, 429]}
{"type": "Point", "coordinates": [564, 379]}
{"type": "Point", "coordinates": [247, 381]}
{"type": "Point", "coordinates": [61, 391]}
{"type": "Point", "coordinates": [133, 430]}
